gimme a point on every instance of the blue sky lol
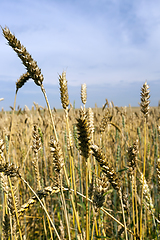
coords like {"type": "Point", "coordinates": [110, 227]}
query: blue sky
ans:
{"type": "Point", "coordinates": [111, 45]}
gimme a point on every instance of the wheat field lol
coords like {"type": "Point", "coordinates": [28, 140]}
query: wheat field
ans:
{"type": "Point", "coordinates": [88, 173]}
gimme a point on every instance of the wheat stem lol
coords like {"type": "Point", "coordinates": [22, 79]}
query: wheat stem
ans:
{"type": "Point", "coordinates": [50, 113]}
{"type": "Point", "coordinates": [65, 210]}
{"type": "Point", "coordinates": [136, 205]}
{"type": "Point", "coordinates": [72, 172]}
{"type": "Point", "coordinates": [133, 206]}
{"type": "Point", "coordinates": [72, 201]}
{"type": "Point", "coordinates": [87, 210]}
{"type": "Point", "coordinates": [144, 165]}
{"type": "Point", "coordinates": [125, 227]}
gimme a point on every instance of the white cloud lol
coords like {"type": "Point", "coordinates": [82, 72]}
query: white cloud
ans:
{"type": "Point", "coordinates": [96, 41]}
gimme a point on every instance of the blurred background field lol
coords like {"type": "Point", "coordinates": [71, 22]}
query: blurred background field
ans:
{"type": "Point", "coordinates": [114, 140]}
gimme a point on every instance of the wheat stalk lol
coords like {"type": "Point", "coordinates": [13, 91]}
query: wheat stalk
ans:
{"type": "Point", "coordinates": [145, 110]}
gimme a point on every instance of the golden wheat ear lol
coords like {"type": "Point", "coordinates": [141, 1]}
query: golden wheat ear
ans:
{"type": "Point", "coordinates": [145, 99]}
{"type": "Point", "coordinates": [58, 160]}
{"type": "Point", "coordinates": [84, 93]}
{"type": "Point", "coordinates": [64, 90]}
{"type": "Point", "coordinates": [22, 80]}
{"type": "Point", "coordinates": [90, 116]}
{"type": "Point", "coordinates": [84, 134]}
{"type": "Point", "coordinates": [27, 60]}
{"type": "Point", "coordinates": [132, 156]}
{"type": "Point", "coordinates": [10, 169]}
{"type": "Point", "coordinates": [109, 171]}
{"type": "Point", "coordinates": [6, 227]}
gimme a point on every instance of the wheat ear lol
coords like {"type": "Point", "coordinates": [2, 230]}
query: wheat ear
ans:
{"type": "Point", "coordinates": [36, 146]}
{"type": "Point", "coordinates": [84, 94]}
{"type": "Point", "coordinates": [27, 60]}
{"type": "Point", "coordinates": [22, 80]}
{"type": "Point", "coordinates": [6, 227]}
{"type": "Point", "coordinates": [64, 90]}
